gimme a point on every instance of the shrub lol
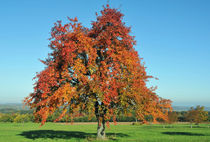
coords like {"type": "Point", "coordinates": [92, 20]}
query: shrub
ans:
{"type": "Point", "coordinates": [21, 118]}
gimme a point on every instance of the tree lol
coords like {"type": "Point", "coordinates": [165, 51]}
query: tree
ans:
{"type": "Point", "coordinates": [95, 71]}
{"type": "Point", "coordinates": [172, 117]}
{"type": "Point", "coordinates": [197, 115]}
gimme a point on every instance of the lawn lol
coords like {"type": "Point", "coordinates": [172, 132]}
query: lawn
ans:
{"type": "Point", "coordinates": [26, 132]}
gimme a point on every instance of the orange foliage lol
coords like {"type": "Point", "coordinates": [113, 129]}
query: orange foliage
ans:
{"type": "Point", "coordinates": [96, 71]}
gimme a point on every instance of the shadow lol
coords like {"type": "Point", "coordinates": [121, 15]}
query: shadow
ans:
{"type": "Point", "coordinates": [183, 133]}
{"type": "Point", "coordinates": [36, 134]}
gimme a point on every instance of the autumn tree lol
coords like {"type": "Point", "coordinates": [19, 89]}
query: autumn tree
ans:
{"type": "Point", "coordinates": [172, 117]}
{"type": "Point", "coordinates": [197, 115]}
{"type": "Point", "coordinates": [95, 71]}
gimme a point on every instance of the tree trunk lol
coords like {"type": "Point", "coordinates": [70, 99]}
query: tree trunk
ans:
{"type": "Point", "coordinates": [101, 121]}
{"type": "Point", "coordinates": [164, 126]}
{"type": "Point", "coordinates": [101, 129]}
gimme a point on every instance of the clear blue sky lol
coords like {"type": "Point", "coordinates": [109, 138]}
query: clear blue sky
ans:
{"type": "Point", "coordinates": [173, 37]}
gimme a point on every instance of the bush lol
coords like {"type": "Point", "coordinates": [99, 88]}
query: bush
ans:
{"type": "Point", "coordinates": [16, 117]}
{"type": "Point", "coordinates": [21, 118]}
{"type": "Point", "coordinates": [8, 117]}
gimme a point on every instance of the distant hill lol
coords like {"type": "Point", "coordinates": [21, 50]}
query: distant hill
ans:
{"type": "Point", "coordinates": [186, 108]}
{"type": "Point", "coordinates": [15, 107]}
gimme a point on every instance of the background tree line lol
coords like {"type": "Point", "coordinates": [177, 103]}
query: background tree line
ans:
{"type": "Point", "coordinates": [193, 115]}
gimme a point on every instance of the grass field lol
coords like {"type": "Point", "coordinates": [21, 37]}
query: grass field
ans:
{"type": "Point", "coordinates": [19, 132]}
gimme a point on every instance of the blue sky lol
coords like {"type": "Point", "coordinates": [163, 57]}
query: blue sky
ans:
{"type": "Point", "coordinates": [173, 37]}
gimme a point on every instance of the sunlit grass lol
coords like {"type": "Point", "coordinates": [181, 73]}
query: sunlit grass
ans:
{"type": "Point", "coordinates": [24, 132]}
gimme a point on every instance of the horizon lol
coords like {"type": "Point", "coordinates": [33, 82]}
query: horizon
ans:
{"type": "Point", "coordinates": [172, 38]}
{"type": "Point", "coordinates": [173, 105]}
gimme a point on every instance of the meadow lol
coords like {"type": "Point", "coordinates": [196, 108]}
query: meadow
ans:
{"type": "Point", "coordinates": [26, 132]}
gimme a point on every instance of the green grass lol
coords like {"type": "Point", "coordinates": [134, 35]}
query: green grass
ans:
{"type": "Point", "coordinates": [19, 132]}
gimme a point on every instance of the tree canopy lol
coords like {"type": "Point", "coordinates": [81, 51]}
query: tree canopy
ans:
{"type": "Point", "coordinates": [96, 71]}
{"type": "Point", "coordinates": [197, 114]}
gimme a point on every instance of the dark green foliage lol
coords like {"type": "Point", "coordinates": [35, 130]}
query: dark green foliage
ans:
{"type": "Point", "coordinates": [181, 116]}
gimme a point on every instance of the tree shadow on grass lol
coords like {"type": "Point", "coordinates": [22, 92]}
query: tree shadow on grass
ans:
{"type": "Point", "coordinates": [183, 133]}
{"type": "Point", "coordinates": [36, 134]}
